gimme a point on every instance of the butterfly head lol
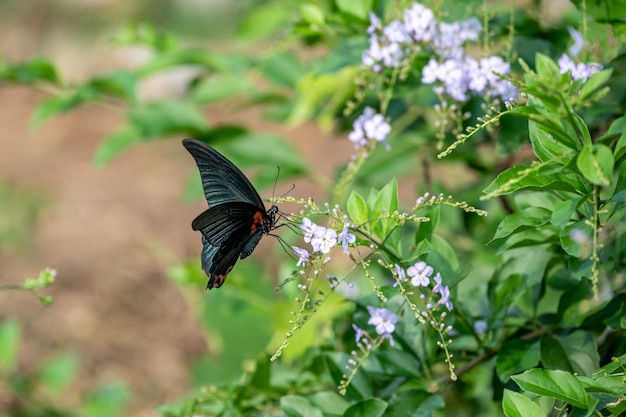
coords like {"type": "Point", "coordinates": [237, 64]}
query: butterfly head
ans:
{"type": "Point", "coordinates": [269, 222]}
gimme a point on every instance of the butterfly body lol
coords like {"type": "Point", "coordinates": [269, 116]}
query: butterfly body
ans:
{"type": "Point", "coordinates": [236, 219]}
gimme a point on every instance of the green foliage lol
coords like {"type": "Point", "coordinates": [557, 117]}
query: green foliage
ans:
{"type": "Point", "coordinates": [430, 307]}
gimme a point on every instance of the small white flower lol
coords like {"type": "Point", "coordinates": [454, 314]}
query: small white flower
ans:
{"type": "Point", "coordinates": [420, 274]}
{"type": "Point", "coordinates": [303, 255]}
{"type": "Point", "coordinates": [383, 320]}
{"type": "Point", "coordinates": [323, 240]}
{"type": "Point", "coordinates": [346, 238]}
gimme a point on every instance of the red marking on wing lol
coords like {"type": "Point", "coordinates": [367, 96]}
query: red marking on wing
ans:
{"type": "Point", "coordinates": [257, 221]}
{"type": "Point", "coordinates": [219, 279]}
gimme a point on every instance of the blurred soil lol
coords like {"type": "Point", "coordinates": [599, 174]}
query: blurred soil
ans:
{"type": "Point", "coordinates": [112, 233]}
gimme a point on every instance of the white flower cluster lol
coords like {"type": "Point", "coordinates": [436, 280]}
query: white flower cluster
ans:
{"type": "Point", "coordinates": [369, 126]}
{"type": "Point", "coordinates": [322, 239]}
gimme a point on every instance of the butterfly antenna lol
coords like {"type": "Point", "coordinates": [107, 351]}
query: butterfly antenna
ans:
{"type": "Point", "coordinates": [275, 181]}
{"type": "Point", "coordinates": [288, 191]}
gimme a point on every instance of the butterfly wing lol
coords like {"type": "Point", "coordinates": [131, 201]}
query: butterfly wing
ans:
{"type": "Point", "coordinates": [222, 181]}
{"type": "Point", "coordinates": [236, 218]}
{"type": "Point", "coordinates": [218, 261]}
{"type": "Point", "coordinates": [219, 222]}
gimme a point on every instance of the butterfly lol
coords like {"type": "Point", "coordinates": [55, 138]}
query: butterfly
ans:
{"type": "Point", "coordinates": [236, 219]}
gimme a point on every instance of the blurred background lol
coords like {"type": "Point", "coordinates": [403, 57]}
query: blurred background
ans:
{"type": "Point", "coordinates": [114, 232]}
{"type": "Point", "coordinates": [110, 232]}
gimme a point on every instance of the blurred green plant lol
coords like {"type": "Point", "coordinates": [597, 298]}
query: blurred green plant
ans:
{"type": "Point", "coordinates": [19, 213]}
{"type": "Point", "coordinates": [41, 392]}
{"type": "Point", "coordinates": [434, 308]}
{"type": "Point", "coordinates": [34, 285]}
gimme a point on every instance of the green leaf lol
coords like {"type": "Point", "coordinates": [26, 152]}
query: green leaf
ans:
{"type": "Point", "coordinates": [414, 403]}
{"type": "Point", "coordinates": [516, 355]}
{"type": "Point", "coordinates": [576, 238]}
{"type": "Point", "coordinates": [517, 405]}
{"type": "Point", "coordinates": [330, 403]}
{"type": "Point", "coordinates": [222, 86]}
{"type": "Point", "coordinates": [611, 384]}
{"type": "Point", "coordinates": [596, 162]}
{"type": "Point", "coordinates": [55, 106]}
{"type": "Point", "coordinates": [620, 147]}
{"type": "Point", "coordinates": [386, 202]}
{"type": "Point", "coordinates": [10, 333]}
{"type": "Point", "coordinates": [32, 71]}
{"type": "Point", "coordinates": [532, 177]}
{"type": "Point", "coordinates": [173, 58]}
{"type": "Point", "coordinates": [581, 350]}
{"type": "Point", "coordinates": [505, 293]}
{"type": "Point", "coordinates": [531, 217]}
{"type": "Point", "coordinates": [564, 211]}
{"type": "Point", "coordinates": [283, 69]}
{"type": "Point", "coordinates": [263, 21]}
{"type": "Point", "coordinates": [372, 407]}
{"type": "Point", "coordinates": [553, 354]}
{"type": "Point", "coordinates": [58, 371]}
{"type": "Point", "coordinates": [547, 70]}
{"type": "Point", "coordinates": [323, 96]}
{"type": "Point", "coordinates": [594, 83]}
{"type": "Point", "coordinates": [112, 146]}
{"type": "Point", "coordinates": [147, 35]}
{"type": "Point", "coordinates": [357, 208]}
{"type": "Point", "coordinates": [546, 146]}
{"type": "Point", "coordinates": [387, 198]}
{"type": "Point", "coordinates": [554, 383]}
{"type": "Point", "coordinates": [296, 406]}
{"type": "Point", "coordinates": [121, 84]}
{"type": "Point", "coordinates": [107, 401]}
{"type": "Point", "coordinates": [167, 117]}
{"type": "Point", "coordinates": [312, 14]}
{"type": "Point", "coordinates": [619, 194]}
{"type": "Point", "coordinates": [357, 8]}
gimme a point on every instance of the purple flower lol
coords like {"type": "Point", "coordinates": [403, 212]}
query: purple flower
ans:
{"type": "Point", "coordinates": [369, 126]}
{"type": "Point", "coordinates": [480, 326]}
{"type": "Point", "coordinates": [375, 24]}
{"type": "Point", "coordinates": [400, 272]}
{"type": "Point", "coordinates": [580, 71]}
{"type": "Point", "coordinates": [303, 255]}
{"type": "Point", "coordinates": [579, 42]}
{"type": "Point", "coordinates": [395, 32]}
{"type": "Point", "coordinates": [445, 297]}
{"type": "Point", "coordinates": [358, 332]}
{"type": "Point", "coordinates": [323, 240]}
{"type": "Point", "coordinates": [308, 227]}
{"type": "Point", "coordinates": [420, 274]}
{"type": "Point", "coordinates": [346, 238]}
{"type": "Point", "coordinates": [383, 320]}
{"type": "Point", "coordinates": [443, 291]}
{"type": "Point", "coordinates": [438, 280]}
{"type": "Point", "coordinates": [419, 22]}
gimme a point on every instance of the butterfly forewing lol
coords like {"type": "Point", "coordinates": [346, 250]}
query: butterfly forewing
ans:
{"type": "Point", "coordinates": [222, 181]}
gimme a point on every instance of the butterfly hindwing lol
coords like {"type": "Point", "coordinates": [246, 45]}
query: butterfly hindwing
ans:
{"type": "Point", "coordinates": [218, 222]}
{"type": "Point", "coordinates": [218, 261]}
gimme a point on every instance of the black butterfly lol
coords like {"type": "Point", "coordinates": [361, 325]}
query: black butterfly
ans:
{"type": "Point", "coordinates": [236, 218]}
